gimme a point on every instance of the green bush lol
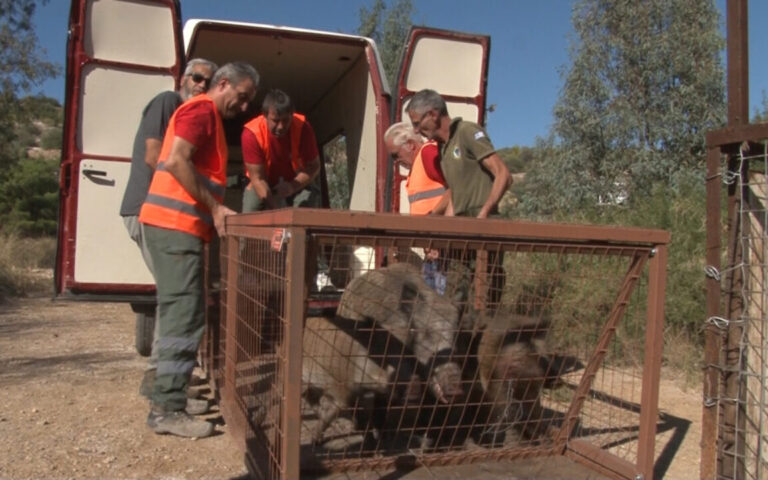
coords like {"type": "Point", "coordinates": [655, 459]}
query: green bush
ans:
{"type": "Point", "coordinates": [29, 198]}
{"type": "Point", "coordinates": [682, 212]}
{"type": "Point", "coordinates": [51, 139]}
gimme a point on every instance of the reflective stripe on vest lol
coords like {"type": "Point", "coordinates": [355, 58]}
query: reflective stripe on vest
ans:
{"type": "Point", "coordinates": [168, 204]}
{"type": "Point", "coordinates": [258, 126]}
{"type": "Point", "coordinates": [215, 189]}
{"type": "Point", "coordinates": [423, 193]}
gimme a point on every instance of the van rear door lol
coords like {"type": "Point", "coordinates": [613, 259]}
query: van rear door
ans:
{"type": "Point", "coordinates": [120, 54]}
{"type": "Point", "coordinates": [452, 63]}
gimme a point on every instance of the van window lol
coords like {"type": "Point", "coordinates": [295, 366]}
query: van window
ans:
{"type": "Point", "coordinates": [337, 172]}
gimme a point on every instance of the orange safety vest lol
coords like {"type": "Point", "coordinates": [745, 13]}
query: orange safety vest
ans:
{"type": "Point", "coordinates": [423, 192]}
{"type": "Point", "coordinates": [168, 204]}
{"type": "Point", "coordinates": [259, 128]}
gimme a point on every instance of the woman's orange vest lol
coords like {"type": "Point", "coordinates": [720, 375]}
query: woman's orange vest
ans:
{"type": "Point", "coordinates": [423, 192]}
{"type": "Point", "coordinates": [168, 205]}
{"type": "Point", "coordinates": [258, 126]}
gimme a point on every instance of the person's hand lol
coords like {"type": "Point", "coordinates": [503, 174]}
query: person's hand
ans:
{"type": "Point", "coordinates": [283, 189]}
{"type": "Point", "coordinates": [219, 213]}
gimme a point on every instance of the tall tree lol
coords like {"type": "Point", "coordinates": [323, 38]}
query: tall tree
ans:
{"type": "Point", "coordinates": [644, 86]}
{"type": "Point", "coordinates": [388, 26]}
{"type": "Point", "coordinates": [22, 65]}
{"type": "Point", "coordinates": [29, 187]}
{"type": "Point", "coordinates": [761, 114]}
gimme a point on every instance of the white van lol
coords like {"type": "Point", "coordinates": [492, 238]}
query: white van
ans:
{"type": "Point", "coordinates": [121, 53]}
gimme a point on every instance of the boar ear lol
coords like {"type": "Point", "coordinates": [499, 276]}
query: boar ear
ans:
{"type": "Point", "coordinates": [408, 296]}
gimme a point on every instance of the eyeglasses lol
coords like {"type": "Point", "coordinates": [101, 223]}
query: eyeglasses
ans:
{"type": "Point", "coordinates": [418, 123]}
{"type": "Point", "coordinates": [199, 77]}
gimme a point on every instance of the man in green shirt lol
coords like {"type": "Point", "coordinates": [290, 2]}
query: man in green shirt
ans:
{"type": "Point", "coordinates": [476, 176]}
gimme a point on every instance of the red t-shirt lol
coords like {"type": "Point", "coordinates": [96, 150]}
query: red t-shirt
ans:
{"type": "Point", "coordinates": [196, 123]}
{"type": "Point", "coordinates": [430, 157]}
{"type": "Point", "coordinates": [280, 147]}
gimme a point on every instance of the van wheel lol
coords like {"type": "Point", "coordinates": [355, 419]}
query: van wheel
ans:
{"type": "Point", "coordinates": [145, 333]}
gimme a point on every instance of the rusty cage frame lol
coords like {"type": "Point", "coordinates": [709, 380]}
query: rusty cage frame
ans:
{"type": "Point", "coordinates": [735, 385]}
{"type": "Point", "coordinates": [289, 239]}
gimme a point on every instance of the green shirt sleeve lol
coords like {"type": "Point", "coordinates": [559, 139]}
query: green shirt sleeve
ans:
{"type": "Point", "coordinates": [475, 141]}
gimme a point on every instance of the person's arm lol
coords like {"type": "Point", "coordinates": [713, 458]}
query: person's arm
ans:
{"type": "Point", "coordinates": [442, 206]}
{"type": "Point", "coordinates": [155, 122]}
{"type": "Point", "coordinates": [301, 180]}
{"type": "Point", "coordinates": [310, 165]}
{"type": "Point", "coordinates": [501, 181]}
{"type": "Point", "coordinates": [258, 174]}
{"type": "Point", "coordinates": [180, 165]}
{"type": "Point", "coordinates": [152, 148]}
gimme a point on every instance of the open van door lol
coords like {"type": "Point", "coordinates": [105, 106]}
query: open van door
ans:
{"type": "Point", "coordinates": [120, 54]}
{"type": "Point", "coordinates": [452, 63]}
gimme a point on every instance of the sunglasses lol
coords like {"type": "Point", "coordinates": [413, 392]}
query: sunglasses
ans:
{"type": "Point", "coordinates": [199, 77]}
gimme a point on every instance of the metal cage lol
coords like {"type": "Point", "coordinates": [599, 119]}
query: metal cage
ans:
{"type": "Point", "coordinates": [553, 334]}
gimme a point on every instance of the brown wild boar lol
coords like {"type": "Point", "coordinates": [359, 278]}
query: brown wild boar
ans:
{"type": "Point", "coordinates": [390, 331]}
{"type": "Point", "coordinates": [399, 300]}
{"type": "Point", "coordinates": [513, 367]}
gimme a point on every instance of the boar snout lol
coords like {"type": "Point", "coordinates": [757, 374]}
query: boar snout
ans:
{"type": "Point", "coordinates": [445, 382]}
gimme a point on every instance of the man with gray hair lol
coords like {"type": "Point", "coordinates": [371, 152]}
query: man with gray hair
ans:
{"type": "Point", "coordinates": [474, 172]}
{"type": "Point", "coordinates": [183, 209]}
{"type": "Point", "coordinates": [146, 148]}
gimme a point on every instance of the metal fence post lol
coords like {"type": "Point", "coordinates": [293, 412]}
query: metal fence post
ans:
{"type": "Point", "coordinates": [654, 344]}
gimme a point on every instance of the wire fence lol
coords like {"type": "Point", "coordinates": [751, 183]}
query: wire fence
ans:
{"type": "Point", "coordinates": [384, 341]}
{"type": "Point", "coordinates": [737, 387]}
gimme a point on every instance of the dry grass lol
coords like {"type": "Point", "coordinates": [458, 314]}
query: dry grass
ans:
{"type": "Point", "coordinates": [26, 265]}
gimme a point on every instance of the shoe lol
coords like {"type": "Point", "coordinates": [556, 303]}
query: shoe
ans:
{"type": "Point", "coordinates": [178, 423]}
{"type": "Point", "coordinates": [197, 406]}
{"type": "Point", "coordinates": [147, 383]}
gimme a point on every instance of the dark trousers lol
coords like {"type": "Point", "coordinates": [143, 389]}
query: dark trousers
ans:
{"type": "Point", "coordinates": [178, 262]}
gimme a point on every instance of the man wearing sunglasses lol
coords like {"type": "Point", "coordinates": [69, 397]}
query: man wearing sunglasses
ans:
{"type": "Point", "coordinates": [146, 149]}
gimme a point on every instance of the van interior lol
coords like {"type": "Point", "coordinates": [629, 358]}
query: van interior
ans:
{"type": "Point", "coordinates": [329, 79]}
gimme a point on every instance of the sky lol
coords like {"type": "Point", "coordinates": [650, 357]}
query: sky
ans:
{"type": "Point", "coordinates": [529, 46]}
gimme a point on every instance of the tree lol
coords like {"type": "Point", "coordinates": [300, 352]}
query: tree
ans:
{"type": "Point", "coordinates": [22, 65]}
{"type": "Point", "coordinates": [761, 116]}
{"type": "Point", "coordinates": [644, 86]}
{"type": "Point", "coordinates": [388, 27]}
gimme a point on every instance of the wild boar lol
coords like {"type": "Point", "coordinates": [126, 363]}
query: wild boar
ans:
{"type": "Point", "coordinates": [398, 299]}
{"type": "Point", "coordinates": [336, 367]}
{"type": "Point", "coordinates": [391, 333]}
{"type": "Point", "coordinates": [513, 368]}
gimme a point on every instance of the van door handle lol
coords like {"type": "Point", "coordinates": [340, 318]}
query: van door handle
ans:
{"type": "Point", "coordinates": [96, 176]}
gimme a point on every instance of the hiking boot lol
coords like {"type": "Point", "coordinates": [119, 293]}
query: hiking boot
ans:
{"type": "Point", "coordinates": [178, 423]}
{"type": "Point", "coordinates": [147, 383]}
{"type": "Point", "coordinates": [197, 406]}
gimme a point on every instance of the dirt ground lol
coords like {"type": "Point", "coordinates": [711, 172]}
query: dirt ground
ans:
{"type": "Point", "coordinates": [70, 409]}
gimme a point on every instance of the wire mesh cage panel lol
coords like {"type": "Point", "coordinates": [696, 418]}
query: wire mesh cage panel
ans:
{"type": "Point", "coordinates": [738, 385]}
{"type": "Point", "coordinates": [386, 340]}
